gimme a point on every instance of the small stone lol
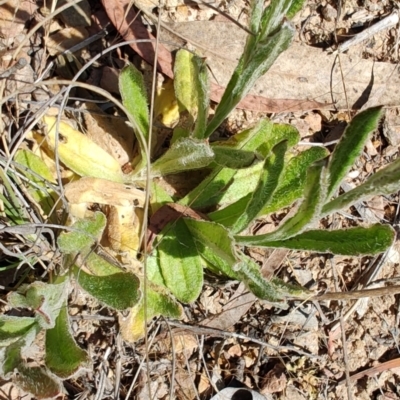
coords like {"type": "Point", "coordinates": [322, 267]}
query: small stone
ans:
{"type": "Point", "coordinates": [329, 13]}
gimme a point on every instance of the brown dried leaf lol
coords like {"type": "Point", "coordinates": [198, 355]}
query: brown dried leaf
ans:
{"type": "Point", "coordinates": [14, 14]}
{"type": "Point", "coordinates": [65, 39]}
{"type": "Point", "coordinates": [102, 191]}
{"type": "Point", "coordinates": [110, 133]}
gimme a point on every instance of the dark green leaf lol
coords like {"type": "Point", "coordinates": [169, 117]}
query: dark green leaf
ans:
{"type": "Point", "coordinates": [180, 263]}
{"type": "Point", "coordinates": [119, 291]}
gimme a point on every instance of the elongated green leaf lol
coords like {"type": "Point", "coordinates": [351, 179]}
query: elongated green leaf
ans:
{"type": "Point", "coordinates": [232, 158]}
{"type": "Point", "coordinates": [180, 263]}
{"type": "Point", "coordinates": [386, 181]}
{"type": "Point", "coordinates": [183, 155]}
{"type": "Point", "coordinates": [84, 234]}
{"type": "Point", "coordinates": [191, 88]}
{"type": "Point", "coordinates": [215, 244]}
{"type": "Point", "coordinates": [250, 68]}
{"type": "Point", "coordinates": [119, 291]}
{"type": "Point", "coordinates": [352, 242]}
{"type": "Point", "coordinates": [274, 14]}
{"type": "Point", "coordinates": [229, 215]}
{"type": "Point", "coordinates": [351, 144]}
{"type": "Point", "coordinates": [274, 290]}
{"type": "Point", "coordinates": [134, 98]}
{"type": "Point", "coordinates": [63, 356]}
{"type": "Point", "coordinates": [293, 178]}
{"type": "Point", "coordinates": [310, 207]}
{"type": "Point", "coordinates": [13, 328]}
{"type": "Point", "coordinates": [17, 214]}
{"type": "Point", "coordinates": [268, 182]}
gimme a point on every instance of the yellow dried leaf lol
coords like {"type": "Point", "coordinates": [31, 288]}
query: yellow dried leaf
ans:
{"type": "Point", "coordinates": [166, 104]}
{"type": "Point", "coordinates": [80, 154]}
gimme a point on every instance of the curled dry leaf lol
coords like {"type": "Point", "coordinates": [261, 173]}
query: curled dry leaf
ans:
{"type": "Point", "coordinates": [110, 133]}
{"type": "Point", "coordinates": [79, 153]}
{"type": "Point", "coordinates": [102, 191]}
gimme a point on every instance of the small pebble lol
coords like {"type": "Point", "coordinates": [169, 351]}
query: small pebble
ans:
{"type": "Point", "coordinates": [329, 13]}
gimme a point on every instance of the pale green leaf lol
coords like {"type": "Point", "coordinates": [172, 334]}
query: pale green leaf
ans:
{"type": "Point", "coordinates": [44, 299]}
{"type": "Point", "coordinates": [353, 241]}
{"type": "Point", "coordinates": [215, 244]}
{"type": "Point", "coordinates": [267, 184]}
{"type": "Point", "coordinates": [83, 235]}
{"type": "Point", "coordinates": [63, 356]}
{"type": "Point", "coordinates": [180, 263]}
{"type": "Point", "coordinates": [183, 155]}
{"type": "Point", "coordinates": [38, 177]}
{"type": "Point", "coordinates": [13, 328]}
{"type": "Point", "coordinates": [386, 181]}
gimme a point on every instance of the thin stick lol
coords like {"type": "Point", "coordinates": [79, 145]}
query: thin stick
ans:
{"type": "Point", "coordinates": [386, 23]}
{"type": "Point", "coordinates": [359, 294]}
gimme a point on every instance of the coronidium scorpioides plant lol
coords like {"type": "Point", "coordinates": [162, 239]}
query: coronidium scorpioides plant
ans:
{"type": "Point", "coordinates": [252, 174]}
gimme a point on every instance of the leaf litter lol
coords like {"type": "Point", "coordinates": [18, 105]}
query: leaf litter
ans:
{"type": "Point", "coordinates": [371, 336]}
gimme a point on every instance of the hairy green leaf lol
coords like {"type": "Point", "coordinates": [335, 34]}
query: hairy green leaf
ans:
{"type": "Point", "coordinates": [260, 140]}
{"type": "Point", "coordinates": [232, 158]}
{"type": "Point", "coordinates": [352, 241]}
{"type": "Point", "coordinates": [273, 290]}
{"type": "Point", "coordinates": [215, 244]}
{"type": "Point", "coordinates": [293, 178]}
{"type": "Point", "coordinates": [267, 184]}
{"type": "Point", "coordinates": [183, 155]}
{"type": "Point", "coordinates": [13, 328]}
{"type": "Point", "coordinates": [44, 299]}
{"type": "Point", "coordinates": [253, 64]}
{"type": "Point", "coordinates": [84, 234]}
{"type": "Point", "coordinates": [134, 98]}
{"type": "Point", "coordinates": [386, 181]}
{"type": "Point", "coordinates": [191, 88]}
{"type": "Point", "coordinates": [63, 356]}
{"type": "Point", "coordinates": [180, 263]}
{"type": "Point", "coordinates": [119, 291]}
{"type": "Point", "coordinates": [310, 207]}
{"type": "Point", "coordinates": [350, 145]}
